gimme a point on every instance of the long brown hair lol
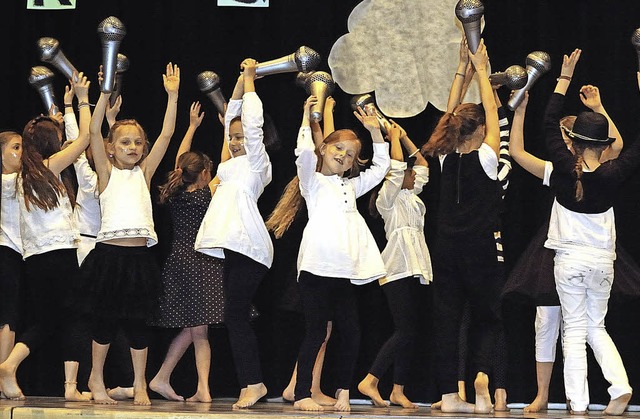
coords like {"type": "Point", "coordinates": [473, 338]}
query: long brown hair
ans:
{"type": "Point", "coordinates": [289, 204]}
{"type": "Point", "coordinates": [40, 140]}
{"type": "Point", "coordinates": [454, 129]}
{"type": "Point", "coordinates": [187, 172]}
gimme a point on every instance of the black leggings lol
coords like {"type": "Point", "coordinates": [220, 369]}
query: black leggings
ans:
{"type": "Point", "coordinates": [402, 296]}
{"type": "Point", "coordinates": [135, 331]}
{"type": "Point", "coordinates": [242, 276]}
{"type": "Point", "coordinates": [325, 299]}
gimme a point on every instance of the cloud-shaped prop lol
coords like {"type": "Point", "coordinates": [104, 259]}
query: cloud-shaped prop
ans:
{"type": "Point", "coordinates": [404, 50]}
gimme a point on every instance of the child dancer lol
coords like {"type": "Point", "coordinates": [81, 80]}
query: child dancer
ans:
{"type": "Point", "coordinates": [48, 239]}
{"type": "Point", "coordinates": [192, 296]}
{"type": "Point", "coordinates": [582, 234]}
{"type": "Point", "coordinates": [121, 271]}
{"type": "Point", "coordinates": [10, 242]}
{"type": "Point", "coordinates": [407, 262]}
{"type": "Point", "coordinates": [336, 247]}
{"type": "Point", "coordinates": [466, 265]}
{"type": "Point", "coordinates": [234, 230]}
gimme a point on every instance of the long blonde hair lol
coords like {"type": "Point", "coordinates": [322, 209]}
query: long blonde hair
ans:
{"type": "Point", "coordinates": [288, 206]}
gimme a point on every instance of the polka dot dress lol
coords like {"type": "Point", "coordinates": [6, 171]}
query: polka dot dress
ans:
{"type": "Point", "coordinates": [192, 281]}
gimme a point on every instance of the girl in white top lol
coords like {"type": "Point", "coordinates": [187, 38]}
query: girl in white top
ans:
{"type": "Point", "coordinates": [233, 228]}
{"type": "Point", "coordinates": [48, 239]}
{"type": "Point", "coordinates": [121, 272]}
{"type": "Point", "coordinates": [337, 247]}
{"type": "Point", "coordinates": [408, 264]}
{"type": "Point", "coordinates": [10, 241]}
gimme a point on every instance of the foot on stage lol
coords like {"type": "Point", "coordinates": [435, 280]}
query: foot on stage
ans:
{"type": "Point", "coordinates": [397, 397]}
{"type": "Point", "coordinates": [501, 400]}
{"type": "Point", "coordinates": [617, 406]}
{"type": "Point", "coordinates": [9, 384]}
{"type": "Point", "coordinates": [201, 396]}
{"type": "Point", "coordinates": [120, 393]}
{"type": "Point", "coordinates": [307, 404]}
{"type": "Point", "coordinates": [165, 390]}
{"type": "Point", "coordinates": [483, 397]}
{"type": "Point", "coordinates": [539, 404]}
{"type": "Point", "coordinates": [369, 387]}
{"type": "Point", "coordinates": [452, 403]}
{"type": "Point", "coordinates": [140, 395]}
{"type": "Point", "coordinates": [342, 404]}
{"type": "Point", "coordinates": [99, 392]}
{"type": "Point", "coordinates": [250, 395]}
{"type": "Point", "coordinates": [322, 399]}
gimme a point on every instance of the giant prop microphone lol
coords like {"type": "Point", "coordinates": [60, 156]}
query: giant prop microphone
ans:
{"type": "Point", "coordinates": [122, 65]}
{"type": "Point", "coordinates": [321, 85]}
{"type": "Point", "coordinates": [367, 102]}
{"type": "Point", "coordinates": [41, 79]}
{"type": "Point", "coordinates": [538, 63]}
{"type": "Point", "coordinates": [469, 13]}
{"type": "Point", "coordinates": [635, 40]}
{"type": "Point", "coordinates": [50, 52]}
{"type": "Point", "coordinates": [301, 78]}
{"type": "Point", "coordinates": [514, 77]}
{"type": "Point", "coordinates": [209, 84]}
{"type": "Point", "coordinates": [111, 32]}
{"type": "Point", "coordinates": [304, 59]}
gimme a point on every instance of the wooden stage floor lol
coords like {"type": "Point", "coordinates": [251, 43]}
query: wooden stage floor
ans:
{"type": "Point", "coordinates": [51, 407]}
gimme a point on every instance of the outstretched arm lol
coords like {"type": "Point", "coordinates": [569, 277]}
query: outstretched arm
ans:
{"type": "Point", "coordinates": [327, 117]}
{"type": "Point", "coordinates": [195, 119]}
{"type": "Point", "coordinates": [480, 61]}
{"type": "Point", "coordinates": [455, 93]}
{"type": "Point", "coordinates": [526, 160]}
{"type": "Point", "coordinates": [590, 96]}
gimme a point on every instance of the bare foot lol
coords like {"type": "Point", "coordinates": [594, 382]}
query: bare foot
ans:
{"type": "Point", "coordinates": [140, 395]}
{"type": "Point", "coordinates": [452, 403]}
{"type": "Point", "coordinates": [617, 406]}
{"type": "Point", "coordinates": [342, 403]}
{"type": "Point", "coordinates": [99, 392]}
{"type": "Point", "coordinates": [201, 397]}
{"type": "Point", "coordinates": [400, 399]}
{"type": "Point", "coordinates": [369, 387]}
{"type": "Point", "coordinates": [437, 405]}
{"type": "Point", "coordinates": [9, 384]}
{"type": "Point", "coordinates": [501, 400]}
{"type": "Point", "coordinates": [288, 394]}
{"type": "Point", "coordinates": [307, 404]}
{"type": "Point", "coordinates": [120, 393]}
{"type": "Point", "coordinates": [251, 395]}
{"type": "Point", "coordinates": [165, 390]}
{"type": "Point", "coordinates": [71, 393]}
{"type": "Point", "coordinates": [483, 398]}
{"type": "Point", "coordinates": [322, 399]}
{"type": "Point", "coordinates": [539, 404]}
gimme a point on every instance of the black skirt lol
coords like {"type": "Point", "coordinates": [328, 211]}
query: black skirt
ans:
{"type": "Point", "coordinates": [121, 282]}
{"type": "Point", "coordinates": [11, 275]}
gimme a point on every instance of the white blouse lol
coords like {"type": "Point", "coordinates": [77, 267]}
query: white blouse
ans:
{"type": "Point", "coordinates": [406, 253]}
{"type": "Point", "coordinates": [10, 214]}
{"type": "Point", "coordinates": [336, 241]}
{"type": "Point", "coordinates": [233, 220]}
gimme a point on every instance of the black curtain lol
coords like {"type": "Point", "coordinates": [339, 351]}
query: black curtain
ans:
{"type": "Point", "coordinates": [198, 35]}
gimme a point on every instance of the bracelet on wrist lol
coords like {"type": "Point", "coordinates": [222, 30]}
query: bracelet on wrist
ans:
{"type": "Point", "coordinates": [563, 77]}
{"type": "Point", "coordinates": [68, 105]}
{"type": "Point", "coordinates": [460, 74]}
{"type": "Point", "coordinates": [83, 104]}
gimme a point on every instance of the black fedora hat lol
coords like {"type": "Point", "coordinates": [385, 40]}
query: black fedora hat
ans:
{"type": "Point", "coordinates": [591, 127]}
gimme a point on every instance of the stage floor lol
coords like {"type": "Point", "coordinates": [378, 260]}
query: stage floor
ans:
{"type": "Point", "coordinates": [50, 407]}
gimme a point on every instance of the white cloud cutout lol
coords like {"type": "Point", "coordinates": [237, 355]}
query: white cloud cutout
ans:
{"type": "Point", "coordinates": [406, 51]}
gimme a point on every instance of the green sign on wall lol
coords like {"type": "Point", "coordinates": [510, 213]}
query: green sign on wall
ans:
{"type": "Point", "coordinates": [51, 4]}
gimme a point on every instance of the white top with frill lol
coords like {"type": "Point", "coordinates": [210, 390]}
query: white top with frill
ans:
{"type": "Point", "coordinates": [10, 215]}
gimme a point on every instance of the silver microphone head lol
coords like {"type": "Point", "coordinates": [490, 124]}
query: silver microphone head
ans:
{"type": "Point", "coordinates": [366, 102]}
{"type": "Point", "coordinates": [320, 84]}
{"type": "Point", "coordinates": [301, 78]}
{"type": "Point", "coordinates": [209, 84]}
{"type": "Point", "coordinates": [50, 52]}
{"type": "Point", "coordinates": [538, 63]}
{"type": "Point", "coordinates": [111, 32]}
{"type": "Point", "coordinates": [41, 79]}
{"type": "Point", "coordinates": [469, 13]}
{"type": "Point", "coordinates": [303, 59]}
{"type": "Point", "coordinates": [122, 65]}
{"type": "Point", "coordinates": [635, 41]}
{"type": "Point", "coordinates": [514, 77]}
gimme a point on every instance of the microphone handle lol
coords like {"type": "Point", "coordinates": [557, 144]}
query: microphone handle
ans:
{"type": "Point", "coordinates": [217, 99]}
{"type": "Point", "coordinates": [472, 32]}
{"type": "Point", "coordinates": [109, 64]}
{"type": "Point", "coordinates": [518, 95]}
{"type": "Point", "coordinates": [48, 97]}
{"type": "Point", "coordinates": [286, 64]}
{"type": "Point", "coordinates": [61, 62]}
{"type": "Point", "coordinates": [320, 90]}
{"type": "Point", "coordinates": [117, 89]}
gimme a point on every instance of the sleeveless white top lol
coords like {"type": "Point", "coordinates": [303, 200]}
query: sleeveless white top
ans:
{"type": "Point", "coordinates": [10, 215]}
{"type": "Point", "coordinates": [43, 231]}
{"type": "Point", "coordinates": [126, 207]}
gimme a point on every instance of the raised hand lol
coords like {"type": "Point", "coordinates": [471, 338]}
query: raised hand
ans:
{"type": "Point", "coordinates": [113, 111]}
{"type": "Point", "coordinates": [171, 79]}
{"type": "Point", "coordinates": [248, 67]}
{"type": "Point", "coordinates": [464, 50]}
{"type": "Point", "coordinates": [569, 63]}
{"type": "Point", "coordinates": [481, 58]}
{"type": "Point", "coordinates": [195, 117]}
{"type": "Point", "coordinates": [368, 119]}
{"type": "Point", "coordinates": [80, 86]}
{"type": "Point", "coordinates": [68, 94]}
{"type": "Point", "coordinates": [590, 97]}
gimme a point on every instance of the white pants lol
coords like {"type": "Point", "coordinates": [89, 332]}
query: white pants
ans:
{"type": "Point", "coordinates": [584, 285]}
{"type": "Point", "coordinates": [547, 326]}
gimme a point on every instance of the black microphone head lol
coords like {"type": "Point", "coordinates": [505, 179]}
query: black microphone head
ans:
{"type": "Point", "coordinates": [40, 76]}
{"type": "Point", "coordinates": [469, 10]}
{"type": "Point", "coordinates": [306, 59]}
{"type": "Point", "coordinates": [48, 48]}
{"type": "Point", "coordinates": [208, 81]}
{"type": "Point", "coordinates": [635, 38]}
{"type": "Point", "coordinates": [111, 29]}
{"type": "Point", "coordinates": [320, 76]}
{"type": "Point", "coordinates": [539, 60]}
{"type": "Point", "coordinates": [301, 78]}
{"type": "Point", "coordinates": [517, 77]}
{"type": "Point", "coordinates": [361, 101]}
{"type": "Point", "coordinates": [122, 63]}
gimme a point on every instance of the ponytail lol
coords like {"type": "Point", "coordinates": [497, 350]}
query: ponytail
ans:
{"type": "Point", "coordinates": [577, 170]}
{"type": "Point", "coordinates": [453, 129]}
{"type": "Point", "coordinates": [285, 211]}
{"type": "Point", "coordinates": [173, 185]}
{"type": "Point", "coordinates": [187, 172]}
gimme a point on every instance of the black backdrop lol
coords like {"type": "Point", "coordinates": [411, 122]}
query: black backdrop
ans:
{"type": "Point", "coordinates": [198, 35]}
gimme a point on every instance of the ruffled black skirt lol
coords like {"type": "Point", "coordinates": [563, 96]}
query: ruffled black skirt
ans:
{"type": "Point", "coordinates": [121, 282]}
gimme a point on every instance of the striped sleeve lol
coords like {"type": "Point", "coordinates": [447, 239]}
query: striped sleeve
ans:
{"type": "Point", "coordinates": [504, 160]}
